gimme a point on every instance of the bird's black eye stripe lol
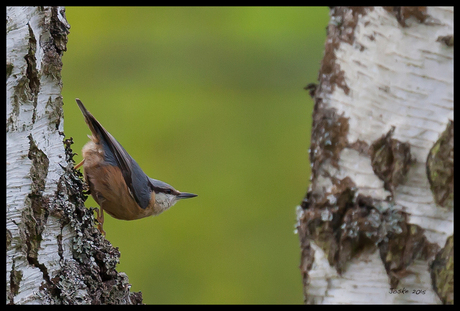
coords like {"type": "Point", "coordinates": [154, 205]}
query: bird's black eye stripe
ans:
{"type": "Point", "coordinates": [164, 190]}
{"type": "Point", "coordinates": [167, 191]}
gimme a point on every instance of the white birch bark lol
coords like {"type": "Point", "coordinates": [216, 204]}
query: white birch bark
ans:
{"type": "Point", "coordinates": [387, 68]}
{"type": "Point", "coordinates": [32, 98]}
{"type": "Point", "coordinates": [54, 253]}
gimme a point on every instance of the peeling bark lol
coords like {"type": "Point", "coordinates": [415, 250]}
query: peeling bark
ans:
{"type": "Point", "coordinates": [55, 255]}
{"type": "Point", "coordinates": [374, 226]}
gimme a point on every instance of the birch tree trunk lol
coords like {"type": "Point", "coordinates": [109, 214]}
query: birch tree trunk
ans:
{"type": "Point", "coordinates": [376, 225]}
{"type": "Point", "coordinates": [54, 253]}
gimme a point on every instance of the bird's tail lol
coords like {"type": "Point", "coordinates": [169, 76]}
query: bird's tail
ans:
{"type": "Point", "coordinates": [95, 127]}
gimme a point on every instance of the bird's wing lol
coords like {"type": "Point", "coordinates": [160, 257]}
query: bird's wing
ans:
{"type": "Point", "coordinates": [115, 154]}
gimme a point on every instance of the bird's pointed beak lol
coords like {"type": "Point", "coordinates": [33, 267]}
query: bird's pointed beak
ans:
{"type": "Point", "coordinates": [185, 195]}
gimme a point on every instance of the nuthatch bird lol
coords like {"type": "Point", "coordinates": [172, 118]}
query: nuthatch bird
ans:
{"type": "Point", "coordinates": [116, 181]}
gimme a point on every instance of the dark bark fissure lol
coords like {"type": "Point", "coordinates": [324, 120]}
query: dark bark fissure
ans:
{"type": "Point", "coordinates": [34, 221]}
{"type": "Point", "coordinates": [404, 12]}
{"type": "Point", "coordinates": [31, 71]}
{"type": "Point", "coordinates": [15, 279]}
{"type": "Point", "coordinates": [391, 160]}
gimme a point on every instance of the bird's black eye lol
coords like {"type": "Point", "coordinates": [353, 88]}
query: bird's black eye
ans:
{"type": "Point", "coordinates": [168, 191]}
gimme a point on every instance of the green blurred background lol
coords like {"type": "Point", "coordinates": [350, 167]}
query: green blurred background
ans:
{"type": "Point", "coordinates": [211, 101]}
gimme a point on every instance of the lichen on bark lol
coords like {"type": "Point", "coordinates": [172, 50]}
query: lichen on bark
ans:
{"type": "Point", "coordinates": [90, 276]}
{"type": "Point", "coordinates": [440, 168]}
{"type": "Point", "coordinates": [442, 272]}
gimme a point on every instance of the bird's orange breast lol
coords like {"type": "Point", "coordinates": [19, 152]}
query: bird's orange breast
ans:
{"type": "Point", "coordinates": [108, 187]}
